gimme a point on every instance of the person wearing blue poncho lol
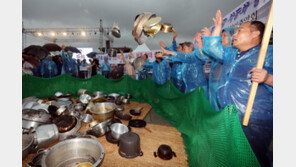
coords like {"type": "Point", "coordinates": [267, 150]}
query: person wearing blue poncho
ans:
{"type": "Point", "coordinates": [161, 69]}
{"type": "Point", "coordinates": [106, 68]}
{"type": "Point", "coordinates": [48, 68]}
{"type": "Point", "coordinates": [69, 64]}
{"type": "Point", "coordinates": [217, 76]}
{"type": "Point", "coordinates": [192, 70]}
{"type": "Point", "coordinates": [240, 73]}
{"type": "Point", "coordinates": [143, 72]}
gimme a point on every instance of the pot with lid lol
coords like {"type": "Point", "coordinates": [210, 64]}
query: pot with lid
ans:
{"type": "Point", "coordinates": [129, 145]}
{"type": "Point", "coordinates": [165, 152]}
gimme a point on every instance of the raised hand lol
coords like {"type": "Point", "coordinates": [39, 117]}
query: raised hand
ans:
{"type": "Point", "coordinates": [198, 39]}
{"type": "Point", "coordinates": [206, 32]}
{"type": "Point", "coordinates": [218, 23]}
{"type": "Point", "coordinates": [161, 44]}
{"type": "Point", "coordinates": [121, 51]}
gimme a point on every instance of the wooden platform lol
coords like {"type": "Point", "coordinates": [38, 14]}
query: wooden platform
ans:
{"type": "Point", "coordinates": [150, 141]}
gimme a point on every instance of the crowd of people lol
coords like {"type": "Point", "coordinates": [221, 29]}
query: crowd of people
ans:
{"type": "Point", "coordinates": [64, 63]}
{"type": "Point", "coordinates": [232, 53]}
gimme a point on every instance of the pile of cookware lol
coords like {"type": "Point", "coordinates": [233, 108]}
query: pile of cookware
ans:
{"type": "Point", "coordinates": [47, 120]}
{"type": "Point", "coordinates": [58, 118]}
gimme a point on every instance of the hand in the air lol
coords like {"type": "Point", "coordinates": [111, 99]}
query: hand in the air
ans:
{"type": "Point", "coordinates": [161, 43]}
{"type": "Point", "coordinates": [219, 19]}
{"type": "Point", "coordinates": [198, 39]}
{"type": "Point", "coordinates": [206, 32]}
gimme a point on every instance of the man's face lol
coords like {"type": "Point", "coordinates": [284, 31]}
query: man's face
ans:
{"type": "Point", "coordinates": [106, 60]}
{"type": "Point", "coordinates": [224, 38]}
{"type": "Point", "coordinates": [187, 49]}
{"type": "Point", "coordinates": [63, 47]}
{"type": "Point", "coordinates": [71, 55]}
{"type": "Point", "coordinates": [243, 35]}
{"type": "Point", "coordinates": [180, 48]}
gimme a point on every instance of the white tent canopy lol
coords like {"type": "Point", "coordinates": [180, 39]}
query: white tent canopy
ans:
{"type": "Point", "coordinates": [142, 48]}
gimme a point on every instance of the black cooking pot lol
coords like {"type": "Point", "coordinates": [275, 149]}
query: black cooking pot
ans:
{"type": "Point", "coordinates": [129, 145]}
{"type": "Point", "coordinates": [165, 152]}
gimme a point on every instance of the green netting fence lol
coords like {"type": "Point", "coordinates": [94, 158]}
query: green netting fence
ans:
{"type": "Point", "coordinates": [211, 138]}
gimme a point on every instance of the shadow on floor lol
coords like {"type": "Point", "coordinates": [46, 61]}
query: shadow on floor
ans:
{"type": "Point", "coordinates": [154, 118]}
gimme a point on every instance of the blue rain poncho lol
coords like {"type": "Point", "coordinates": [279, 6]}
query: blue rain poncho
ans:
{"type": "Point", "coordinates": [143, 73]}
{"type": "Point", "coordinates": [48, 68]}
{"type": "Point", "coordinates": [69, 65]}
{"type": "Point", "coordinates": [193, 74]}
{"type": "Point", "coordinates": [236, 90]}
{"type": "Point", "coordinates": [105, 67]}
{"type": "Point", "coordinates": [161, 72]}
{"type": "Point", "coordinates": [217, 76]}
{"type": "Point", "coordinates": [177, 70]}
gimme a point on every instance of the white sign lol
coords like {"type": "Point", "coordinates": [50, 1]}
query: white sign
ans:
{"type": "Point", "coordinates": [250, 10]}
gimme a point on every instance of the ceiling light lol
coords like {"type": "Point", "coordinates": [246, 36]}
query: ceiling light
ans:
{"type": "Point", "coordinates": [64, 34]}
{"type": "Point", "coordinates": [39, 34]}
{"type": "Point", "coordinates": [83, 33]}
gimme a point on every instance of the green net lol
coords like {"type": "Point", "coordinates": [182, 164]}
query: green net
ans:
{"type": "Point", "coordinates": [211, 138]}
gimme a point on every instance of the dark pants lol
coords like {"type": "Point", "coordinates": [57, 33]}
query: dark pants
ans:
{"type": "Point", "coordinates": [259, 134]}
{"type": "Point", "coordinates": [105, 74]}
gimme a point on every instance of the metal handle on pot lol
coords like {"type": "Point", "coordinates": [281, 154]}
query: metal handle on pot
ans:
{"type": "Point", "coordinates": [174, 154]}
{"type": "Point", "coordinates": [141, 153]}
{"type": "Point", "coordinates": [155, 155]}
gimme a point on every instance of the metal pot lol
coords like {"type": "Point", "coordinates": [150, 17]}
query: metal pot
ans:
{"type": "Point", "coordinates": [46, 135]}
{"type": "Point", "coordinates": [79, 107]}
{"type": "Point", "coordinates": [98, 94]}
{"type": "Point", "coordinates": [40, 116]}
{"type": "Point", "coordinates": [129, 145]}
{"type": "Point", "coordinates": [30, 124]}
{"type": "Point", "coordinates": [118, 129]}
{"type": "Point", "coordinates": [103, 111]}
{"type": "Point", "coordinates": [82, 91]}
{"type": "Point", "coordinates": [125, 101]}
{"type": "Point", "coordinates": [84, 98]}
{"type": "Point", "coordinates": [166, 28]}
{"type": "Point", "coordinates": [27, 144]}
{"type": "Point", "coordinates": [165, 152]}
{"type": "Point", "coordinates": [115, 95]}
{"type": "Point", "coordinates": [58, 94]}
{"type": "Point", "coordinates": [86, 118]}
{"type": "Point", "coordinates": [128, 96]}
{"type": "Point", "coordinates": [73, 152]}
{"type": "Point", "coordinates": [64, 135]}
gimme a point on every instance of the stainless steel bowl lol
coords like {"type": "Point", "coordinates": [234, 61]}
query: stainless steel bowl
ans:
{"type": "Point", "coordinates": [79, 107]}
{"type": "Point", "coordinates": [103, 111]}
{"type": "Point", "coordinates": [58, 94]}
{"type": "Point", "coordinates": [125, 101]}
{"type": "Point", "coordinates": [84, 98]}
{"type": "Point", "coordinates": [117, 129]}
{"type": "Point", "coordinates": [98, 94]}
{"type": "Point", "coordinates": [72, 152]}
{"type": "Point", "coordinates": [86, 118]}
{"type": "Point", "coordinates": [115, 95]}
{"type": "Point", "coordinates": [99, 129]}
{"type": "Point", "coordinates": [82, 91]}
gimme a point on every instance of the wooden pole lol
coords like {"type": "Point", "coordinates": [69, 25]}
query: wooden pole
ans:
{"type": "Point", "coordinates": [260, 62]}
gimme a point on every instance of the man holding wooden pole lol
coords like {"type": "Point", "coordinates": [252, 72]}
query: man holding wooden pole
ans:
{"type": "Point", "coordinates": [239, 63]}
